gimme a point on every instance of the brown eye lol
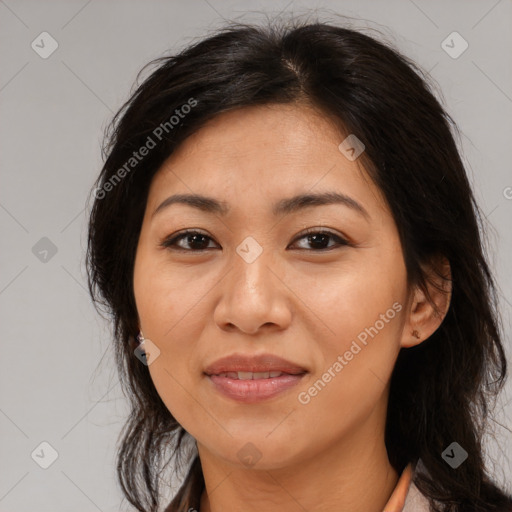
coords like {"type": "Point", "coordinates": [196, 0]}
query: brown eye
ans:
{"type": "Point", "coordinates": [319, 240]}
{"type": "Point", "coordinates": [192, 241]}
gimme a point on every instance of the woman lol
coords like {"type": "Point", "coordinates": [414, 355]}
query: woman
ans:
{"type": "Point", "coordinates": [286, 239]}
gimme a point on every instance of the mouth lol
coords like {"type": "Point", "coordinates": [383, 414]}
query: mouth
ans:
{"type": "Point", "coordinates": [253, 378]}
{"type": "Point", "coordinates": [251, 367]}
{"type": "Point", "coordinates": [253, 390]}
{"type": "Point", "coordinates": [252, 375]}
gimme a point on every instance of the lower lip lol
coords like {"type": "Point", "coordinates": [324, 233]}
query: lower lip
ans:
{"type": "Point", "coordinates": [254, 390]}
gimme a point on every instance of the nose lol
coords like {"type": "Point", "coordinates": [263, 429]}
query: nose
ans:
{"type": "Point", "coordinates": [254, 297]}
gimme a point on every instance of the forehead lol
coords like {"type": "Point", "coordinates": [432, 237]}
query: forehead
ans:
{"type": "Point", "coordinates": [283, 132]}
{"type": "Point", "coordinates": [267, 151]}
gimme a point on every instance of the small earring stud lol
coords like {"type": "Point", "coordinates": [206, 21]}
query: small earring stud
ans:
{"type": "Point", "coordinates": [416, 334]}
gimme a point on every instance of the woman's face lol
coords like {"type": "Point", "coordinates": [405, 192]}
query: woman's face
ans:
{"type": "Point", "coordinates": [335, 310]}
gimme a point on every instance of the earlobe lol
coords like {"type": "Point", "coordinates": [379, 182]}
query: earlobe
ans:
{"type": "Point", "coordinates": [428, 307]}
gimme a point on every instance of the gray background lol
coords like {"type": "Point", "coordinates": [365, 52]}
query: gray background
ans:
{"type": "Point", "coordinates": [58, 382]}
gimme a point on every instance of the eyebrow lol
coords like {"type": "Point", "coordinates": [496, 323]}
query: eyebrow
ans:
{"type": "Point", "coordinates": [282, 207]}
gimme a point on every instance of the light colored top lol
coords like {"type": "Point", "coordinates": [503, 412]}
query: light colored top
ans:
{"type": "Point", "coordinates": [406, 497]}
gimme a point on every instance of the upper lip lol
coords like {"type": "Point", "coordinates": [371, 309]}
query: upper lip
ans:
{"type": "Point", "coordinates": [253, 363]}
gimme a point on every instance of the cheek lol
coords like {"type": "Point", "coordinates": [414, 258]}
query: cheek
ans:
{"type": "Point", "coordinates": [351, 298]}
{"type": "Point", "coordinates": [172, 317]}
{"type": "Point", "coordinates": [162, 296]}
{"type": "Point", "coordinates": [362, 306]}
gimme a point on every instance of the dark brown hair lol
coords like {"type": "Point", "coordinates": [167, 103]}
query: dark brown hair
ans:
{"type": "Point", "coordinates": [440, 390]}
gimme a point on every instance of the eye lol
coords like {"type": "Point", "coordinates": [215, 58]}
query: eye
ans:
{"type": "Point", "coordinates": [319, 238]}
{"type": "Point", "coordinates": [193, 241]}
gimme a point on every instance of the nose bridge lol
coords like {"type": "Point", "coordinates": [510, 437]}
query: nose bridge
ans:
{"type": "Point", "coordinates": [251, 264]}
{"type": "Point", "coordinates": [251, 295]}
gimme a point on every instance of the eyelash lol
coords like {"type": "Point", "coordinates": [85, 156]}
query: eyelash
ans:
{"type": "Point", "coordinates": [170, 242]}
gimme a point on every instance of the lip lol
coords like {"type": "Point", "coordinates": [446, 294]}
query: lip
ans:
{"type": "Point", "coordinates": [254, 390]}
{"type": "Point", "coordinates": [253, 363]}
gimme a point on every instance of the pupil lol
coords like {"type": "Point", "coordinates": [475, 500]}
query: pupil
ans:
{"type": "Point", "coordinates": [194, 240]}
{"type": "Point", "coordinates": [315, 239]}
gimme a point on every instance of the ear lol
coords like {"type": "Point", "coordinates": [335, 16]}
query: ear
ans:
{"type": "Point", "coordinates": [427, 309]}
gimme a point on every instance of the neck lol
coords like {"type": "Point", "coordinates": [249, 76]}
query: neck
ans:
{"type": "Point", "coordinates": [353, 475]}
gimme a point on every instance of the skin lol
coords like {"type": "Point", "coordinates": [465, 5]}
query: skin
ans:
{"type": "Point", "coordinates": [293, 301]}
